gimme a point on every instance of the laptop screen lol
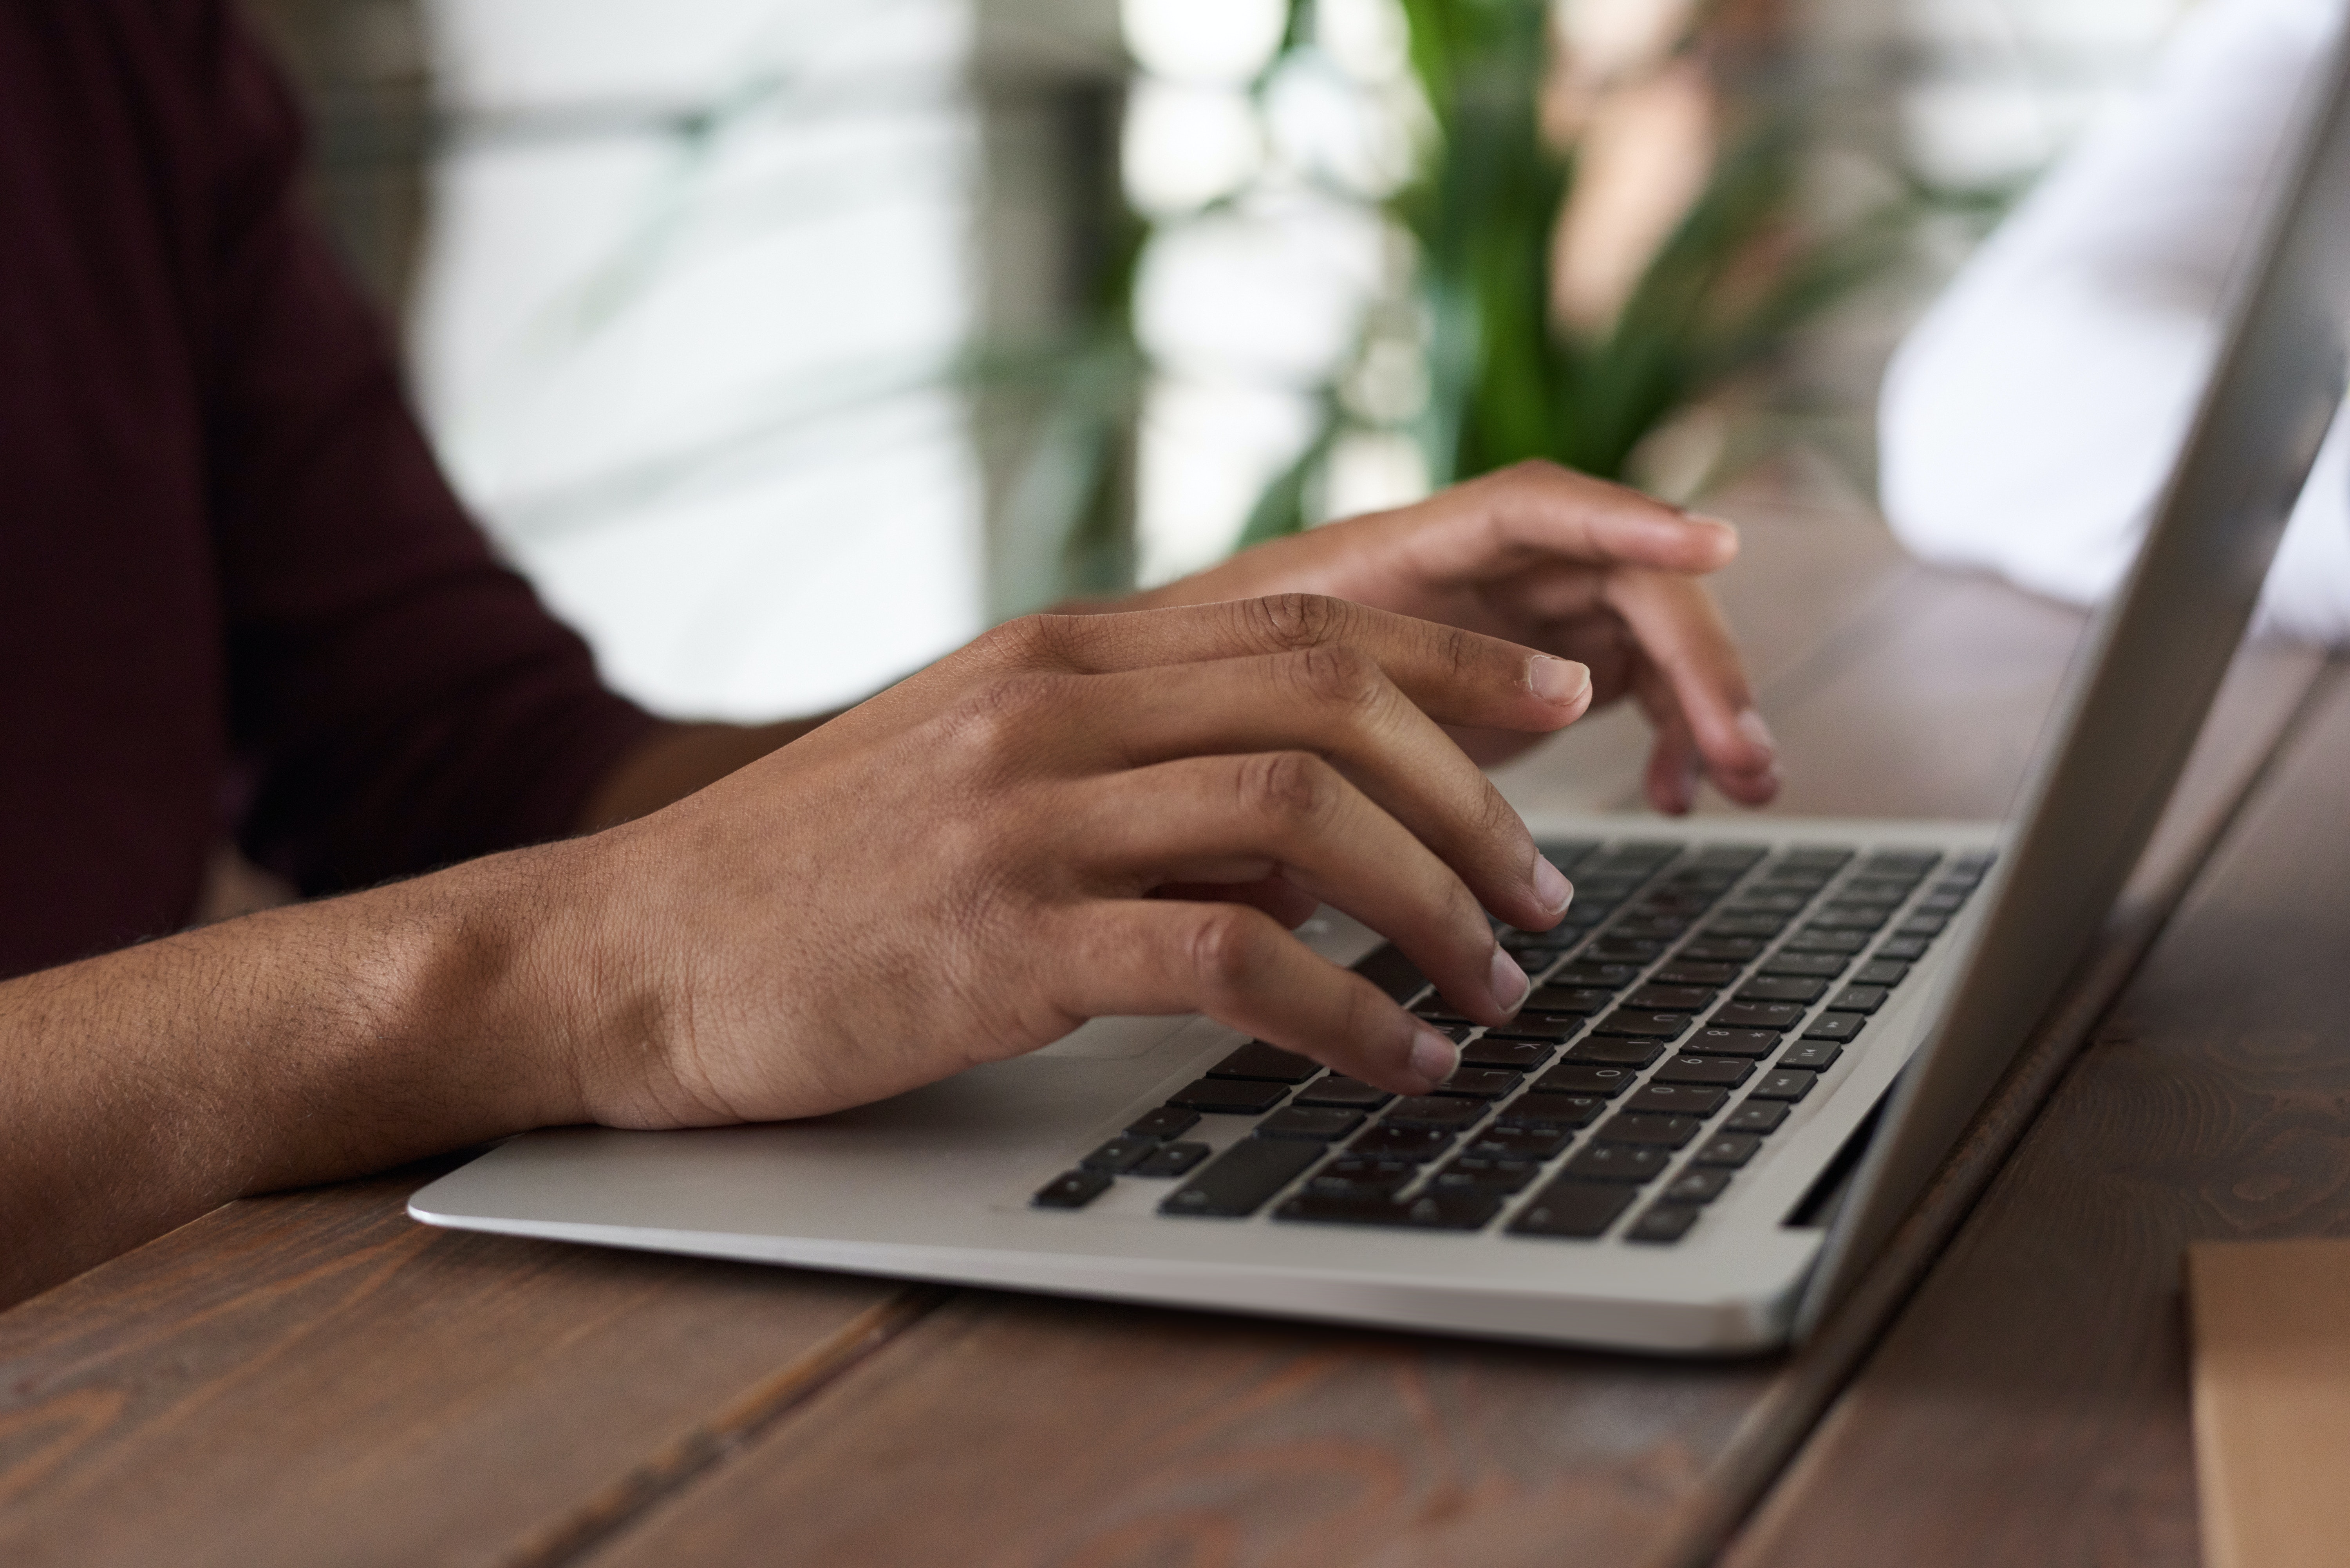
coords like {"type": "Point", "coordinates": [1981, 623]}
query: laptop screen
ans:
{"type": "Point", "coordinates": [2152, 667]}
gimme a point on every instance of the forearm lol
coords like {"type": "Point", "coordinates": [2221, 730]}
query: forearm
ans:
{"type": "Point", "coordinates": [677, 760]}
{"type": "Point", "coordinates": [293, 1046]}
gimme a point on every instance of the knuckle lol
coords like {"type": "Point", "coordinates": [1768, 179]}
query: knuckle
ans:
{"type": "Point", "coordinates": [1335, 673]}
{"type": "Point", "coordinates": [1295, 620]}
{"type": "Point", "coordinates": [1286, 788]}
{"type": "Point", "coordinates": [1535, 470]}
{"type": "Point", "coordinates": [1228, 948]}
{"type": "Point", "coordinates": [1002, 718]}
{"type": "Point", "coordinates": [1030, 641]}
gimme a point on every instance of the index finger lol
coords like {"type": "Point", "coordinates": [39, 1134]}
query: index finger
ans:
{"type": "Point", "coordinates": [1681, 632]}
{"type": "Point", "coordinates": [1532, 512]}
{"type": "Point", "coordinates": [1455, 677]}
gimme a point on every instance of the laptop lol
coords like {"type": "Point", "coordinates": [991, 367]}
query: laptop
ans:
{"type": "Point", "coordinates": [1739, 1020]}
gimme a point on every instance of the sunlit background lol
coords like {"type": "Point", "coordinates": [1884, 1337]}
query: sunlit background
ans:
{"type": "Point", "coordinates": [787, 345]}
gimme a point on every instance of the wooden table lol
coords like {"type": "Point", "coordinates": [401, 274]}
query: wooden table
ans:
{"type": "Point", "coordinates": [309, 1378]}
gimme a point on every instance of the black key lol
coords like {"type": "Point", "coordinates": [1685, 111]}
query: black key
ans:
{"type": "Point", "coordinates": [1855, 918]}
{"type": "Point", "coordinates": [1499, 1051]}
{"type": "Point", "coordinates": [1348, 1094]}
{"type": "Point", "coordinates": [1784, 1083]}
{"type": "Point", "coordinates": [1522, 1143]}
{"type": "Point", "coordinates": [1640, 925]}
{"type": "Point", "coordinates": [1858, 999]}
{"type": "Point", "coordinates": [1921, 926]}
{"type": "Point", "coordinates": [1670, 998]}
{"type": "Point", "coordinates": [1812, 1056]}
{"type": "Point", "coordinates": [1662, 1224]}
{"type": "Point", "coordinates": [1550, 1030]}
{"type": "Point", "coordinates": [1756, 1116]}
{"type": "Point", "coordinates": [1440, 1013]}
{"type": "Point", "coordinates": [1611, 1052]}
{"type": "Point", "coordinates": [1229, 1096]}
{"type": "Point", "coordinates": [1732, 1149]}
{"type": "Point", "coordinates": [1699, 1100]}
{"type": "Point", "coordinates": [1798, 878]}
{"type": "Point", "coordinates": [1351, 1173]}
{"type": "Point", "coordinates": [1881, 972]}
{"type": "Point", "coordinates": [1238, 1181]}
{"type": "Point", "coordinates": [1782, 988]}
{"type": "Point", "coordinates": [1318, 1126]}
{"type": "Point", "coordinates": [1822, 966]}
{"type": "Point", "coordinates": [1665, 1132]}
{"type": "Point", "coordinates": [1576, 1211]}
{"type": "Point", "coordinates": [1563, 853]}
{"type": "Point", "coordinates": [1731, 856]}
{"type": "Point", "coordinates": [1580, 999]}
{"type": "Point", "coordinates": [1401, 1143]}
{"type": "Point", "coordinates": [1746, 926]}
{"type": "Point", "coordinates": [1387, 968]}
{"type": "Point", "coordinates": [1621, 948]}
{"type": "Point", "coordinates": [1769, 901]}
{"type": "Point", "coordinates": [1166, 1122]}
{"type": "Point", "coordinates": [1911, 863]}
{"type": "Point", "coordinates": [1730, 1042]}
{"type": "Point", "coordinates": [1626, 1162]}
{"type": "Point", "coordinates": [1481, 1083]}
{"type": "Point", "coordinates": [1718, 1070]}
{"type": "Point", "coordinates": [1434, 1111]}
{"type": "Point", "coordinates": [1877, 889]}
{"type": "Point", "coordinates": [1550, 1111]}
{"type": "Point", "coordinates": [1468, 1210]}
{"type": "Point", "coordinates": [1835, 1026]}
{"type": "Point", "coordinates": [1269, 1063]}
{"type": "Point", "coordinates": [1675, 899]}
{"type": "Point", "coordinates": [1823, 857]}
{"type": "Point", "coordinates": [1643, 1025]}
{"type": "Point", "coordinates": [1584, 1078]}
{"type": "Point", "coordinates": [1975, 860]}
{"type": "Point", "coordinates": [1120, 1153]}
{"type": "Point", "coordinates": [1905, 947]}
{"type": "Point", "coordinates": [1724, 950]}
{"type": "Point", "coordinates": [1810, 939]}
{"type": "Point", "coordinates": [1172, 1159]}
{"type": "Point", "coordinates": [1072, 1190]}
{"type": "Point", "coordinates": [1682, 971]}
{"type": "Point", "coordinates": [1756, 1015]}
{"type": "Point", "coordinates": [1694, 1186]}
{"type": "Point", "coordinates": [1486, 1173]}
{"type": "Point", "coordinates": [1938, 904]}
{"type": "Point", "coordinates": [1612, 976]}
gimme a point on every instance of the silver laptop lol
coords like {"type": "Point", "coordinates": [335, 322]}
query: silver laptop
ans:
{"type": "Point", "coordinates": [1738, 1020]}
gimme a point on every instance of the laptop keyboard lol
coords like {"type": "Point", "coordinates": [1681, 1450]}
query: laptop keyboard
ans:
{"type": "Point", "coordinates": [1691, 996]}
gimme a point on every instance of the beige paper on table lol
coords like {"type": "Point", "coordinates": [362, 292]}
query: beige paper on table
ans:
{"type": "Point", "coordinates": [2271, 1327]}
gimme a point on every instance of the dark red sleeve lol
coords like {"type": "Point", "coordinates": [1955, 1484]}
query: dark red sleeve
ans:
{"type": "Point", "coordinates": [399, 698]}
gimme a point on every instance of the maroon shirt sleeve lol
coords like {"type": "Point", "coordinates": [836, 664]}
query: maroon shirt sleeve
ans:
{"type": "Point", "coordinates": [398, 698]}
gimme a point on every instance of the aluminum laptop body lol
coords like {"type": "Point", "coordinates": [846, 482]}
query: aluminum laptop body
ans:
{"type": "Point", "coordinates": [1625, 1227]}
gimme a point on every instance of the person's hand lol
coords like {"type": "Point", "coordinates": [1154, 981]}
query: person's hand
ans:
{"type": "Point", "coordinates": [1565, 563]}
{"type": "Point", "coordinates": [1076, 816]}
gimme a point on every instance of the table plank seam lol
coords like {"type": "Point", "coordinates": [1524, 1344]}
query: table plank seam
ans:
{"type": "Point", "coordinates": [693, 1455]}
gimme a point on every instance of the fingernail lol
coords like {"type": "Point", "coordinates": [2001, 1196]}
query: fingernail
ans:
{"type": "Point", "coordinates": [1508, 982]}
{"type": "Point", "coordinates": [1751, 725]}
{"type": "Point", "coordinates": [1557, 680]}
{"type": "Point", "coordinates": [1552, 889]}
{"type": "Point", "coordinates": [1434, 1057]}
{"type": "Point", "coordinates": [1710, 520]}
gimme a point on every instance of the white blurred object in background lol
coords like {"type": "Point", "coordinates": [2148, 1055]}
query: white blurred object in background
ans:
{"type": "Point", "coordinates": [696, 268]}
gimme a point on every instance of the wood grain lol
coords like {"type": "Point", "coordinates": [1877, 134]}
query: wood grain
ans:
{"type": "Point", "coordinates": [2032, 1404]}
{"type": "Point", "coordinates": [312, 1377]}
